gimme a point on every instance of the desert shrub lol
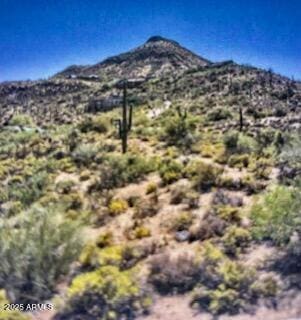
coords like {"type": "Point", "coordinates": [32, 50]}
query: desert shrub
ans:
{"type": "Point", "coordinates": [141, 232]}
{"type": "Point", "coordinates": [183, 194]}
{"type": "Point", "coordinates": [246, 144]}
{"type": "Point", "coordinates": [106, 293]}
{"type": "Point", "coordinates": [192, 199]}
{"type": "Point", "coordinates": [251, 185]}
{"type": "Point", "coordinates": [21, 120]}
{"type": "Point", "coordinates": [211, 226]}
{"type": "Point", "coordinates": [71, 201]}
{"type": "Point", "coordinates": [236, 142]}
{"type": "Point", "coordinates": [290, 160]}
{"type": "Point", "coordinates": [84, 154]}
{"type": "Point", "coordinates": [218, 114]}
{"type": "Point", "coordinates": [35, 257]}
{"type": "Point", "coordinates": [152, 187]}
{"type": "Point", "coordinates": [132, 254]}
{"type": "Point", "coordinates": [228, 213]}
{"type": "Point", "coordinates": [236, 239]}
{"type": "Point", "coordinates": [13, 208]}
{"type": "Point", "coordinates": [170, 171]}
{"type": "Point", "coordinates": [222, 198]}
{"type": "Point", "coordinates": [239, 161]}
{"type": "Point", "coordinates": [179, 129]}
{"type": "Point", "coordinates": [277, 215]}
{"type": "Point", "coordinates": [220, 300]}
{"type": "Point", "coordinates": [266, 286]}
{"type": "Point", "coordinates": [182, 221]}
{"type": "Point", "coordinates": [117, 206]}
{"type": "Point", "coordinates": [93, 256]}
{"type": "Point", "coordinates": [104, 253]}
{"type": "Point", "coordinates": [268, 138]}
{"type": "Point", "coordinates": [169, 275]}
{"type": "Point", "coordinates": [213, 150]}
{"type": "Point", "coordinates": [203, 175]}
{"type": "Point", "coordinates": [27, 190]}
{"type": "Point", "coordinates": [98, 124]}
{"type": "Point", "coordinates": [145, 208]}
{"type": "Point", "coordinates": [178, 193]}
{"type": "Point", "coordinates": [225, 285]}
{"type": "Point", "coordinates": [231, 140]}
{"type": "Point", "coordinates": [171, 153]}
{"type": "Point", "coordinates": [111, 255]}
{"type": "Point", "coordinates": [67, 165]}
{"type": "Point", "coordinates": [262, 168]}
{"type": "Point", "coordinates": [88, 255]}
{"type": "Point", "coordinates": [118, 170]}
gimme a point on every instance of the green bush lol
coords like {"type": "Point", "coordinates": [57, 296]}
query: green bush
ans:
{"type": "Point", "coordinates": [118, 170]}
{"type": "Point", "coordinates": [239, 161]}
{"type": "Point", "coordinates": [251, 185]}
{"type": "Point", "coordinates": [236, 239]}
{"type": "Point", "coordinates": [105, 294]}
{"type": "Point", "coordinates": [204, 176]}
{"type": "Point", "coordinates": [84, 154]}
{"type": "Point", "coordinates": [28, 189]}
{"type": "Point", "coordinates": [117, 206]}
{"type": "Point", "coordinates": [182, 221]}
{"type": "Point", "coordinates": [228, 213]}
{"type": "Point", "coordinates": [36, 254]}
{"type": "Point", "coordinates": [98, 124]}
{"type": "Point", "coordinates": [179, 193]}
{"type": "Point", "coordinates": [291, 152]}
{"type": "Point", "coordinates": [179, 129]}
{"type": "Point", "coordinates": [218, 114]}
{"type": "Point", "coordinates": [277, 215]}
{"type": "Point", "coordinates": [262, 168]}
{"type": "Point", "coordinates": [152, 187]}
{"type": "Point", "coordinates": [225, 286]}
{"type": "Point", "coordinates": [21, 120]}
{"type": "Point", "coordinates": [218, 301]}
{"type": "Point", "coordinates": [231, 140]}
{"type": "Point", "coordinates": [236, 142]}
{"type": "Point", "coordinates": [142, 232]}
{"type": "Point", "coordinates": [170, 171]}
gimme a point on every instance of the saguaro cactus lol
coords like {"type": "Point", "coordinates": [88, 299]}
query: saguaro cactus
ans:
{"type": "Point", "coordinates": [125, 124]}
{"type": "Point", "coordinates": [241, 119]}
{"type": "Point", "coordinates": [182, 125]}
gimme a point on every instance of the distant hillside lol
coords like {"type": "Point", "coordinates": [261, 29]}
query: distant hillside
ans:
{"type": "Point", "coordinates": [159, 69]}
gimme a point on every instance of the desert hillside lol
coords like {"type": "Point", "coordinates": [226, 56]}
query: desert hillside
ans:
{"type": "Point", "coordinates": [153, 185]}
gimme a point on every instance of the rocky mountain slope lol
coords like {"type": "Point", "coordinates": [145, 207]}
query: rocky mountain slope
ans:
{"type": "Point", "coordinates": [161, 70]}
{"type": "Point", "coordinates": [157, 57]}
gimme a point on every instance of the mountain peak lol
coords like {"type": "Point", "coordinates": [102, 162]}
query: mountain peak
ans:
{"type": "Point", "coordinates": [156, 57]}
{"type": "Point", "coordinates": [159, 38]}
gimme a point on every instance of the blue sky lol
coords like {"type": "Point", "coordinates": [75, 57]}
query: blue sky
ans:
{"type": "Point", "coordinates": [41, 37]}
